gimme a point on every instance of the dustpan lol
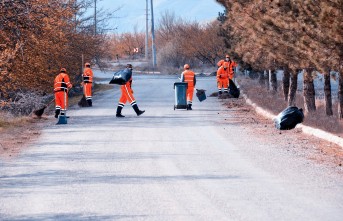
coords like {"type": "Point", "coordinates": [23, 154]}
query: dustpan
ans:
{"type": "Point", "coordinates": [62, 119]}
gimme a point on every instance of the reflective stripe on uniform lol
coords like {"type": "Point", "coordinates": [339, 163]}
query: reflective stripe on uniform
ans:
{"type": "Point", "coordinates": [121, 105]}
{"type": "Point", "coordinates": [128, 94]}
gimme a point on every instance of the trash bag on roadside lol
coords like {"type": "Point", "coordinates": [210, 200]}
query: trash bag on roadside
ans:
{"type": "Point", "coordinates": [233, 90]}
{"type": "Point", "coordinates": [121, 77]}
{"type": "Point", "coordinates": [289, 118]}
{"type": "Point", "coordinates": [201, 94]}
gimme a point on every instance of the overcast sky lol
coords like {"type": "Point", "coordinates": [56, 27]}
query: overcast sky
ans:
{"type": "Point", "coordinates": [132, 12]}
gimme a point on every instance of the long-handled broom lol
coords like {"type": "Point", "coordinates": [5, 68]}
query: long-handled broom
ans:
{"type": "Point", "coordinates": [83, 102]}
{"type": "Point", "coordinates": [40, 112]}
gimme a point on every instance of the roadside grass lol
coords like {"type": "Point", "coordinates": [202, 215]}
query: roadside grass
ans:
{"type": "Point", "coordinates": [275, 104]}
{"type": "Point", "coordinates": [8, 120]}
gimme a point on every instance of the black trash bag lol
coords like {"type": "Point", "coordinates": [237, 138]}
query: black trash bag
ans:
{"type": "Point", "coordinates": [289, 118]}
{"type": "Point", "coordinates": [201, 94]}
{"type": "Point", "coordinates": [233, 90]}
{"type": "Point", "coordinates": [121, 77]}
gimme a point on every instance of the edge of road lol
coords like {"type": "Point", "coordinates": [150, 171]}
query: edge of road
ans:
{"type": "Point", "coordinates": [305, 129]}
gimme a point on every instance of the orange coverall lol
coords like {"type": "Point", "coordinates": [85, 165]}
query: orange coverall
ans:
{"type": "Point", "coordinates": [223, 75]}
{"type": "Point", "coordinates": [87, 83]}
{"type": "Point", "coordinates": [223, 79]}
{"type": "Point", "coordinates": [126, 94]}
{"type": "Point", "coordinates": [188, 76]}
{"type": "Point", "coordinates": [61, 86]}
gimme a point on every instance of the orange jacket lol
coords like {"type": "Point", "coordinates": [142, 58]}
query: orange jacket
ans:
{"type": "Point", "coordinates": [231, 63]}
{"type": "Point", "coordinates": [222, 73]}
{"type": "Point", "coordinates": [62, 82]}
{"type": "Point", "coordinates": [87, 75]}
{"type": "Point", "coordinates": [231, 67]}
{"type": "Point", "coordinates": [189, 77]}
{"type": "Point", "coordinates": [220, 63]}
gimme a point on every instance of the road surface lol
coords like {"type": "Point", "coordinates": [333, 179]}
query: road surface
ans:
{"type": "Point", "coordinates": [163, 165]}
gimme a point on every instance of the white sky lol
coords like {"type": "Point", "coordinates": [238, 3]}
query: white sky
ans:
{"type": "Point", "coordinates": [132, 12]}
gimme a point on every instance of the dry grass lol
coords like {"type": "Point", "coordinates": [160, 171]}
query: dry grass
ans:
{"type": "Point", "coordinates": [275, 104]}
{"type": "Point", "coordinates": [16, 133]}
{"type": "Point", "coordinates": [8, 121]}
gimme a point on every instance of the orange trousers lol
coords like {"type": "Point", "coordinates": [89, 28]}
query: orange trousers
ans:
{"type": "Point", "coordinates": [223, 83]}
{"type": "Point", "coordinates": [126, 95]}
{"type": "Point", "coordinates": [88, 90]}
{"type": "Point", "coordinates": [189, 93]}
{"type": "Point", "coordinates": [61, 100]}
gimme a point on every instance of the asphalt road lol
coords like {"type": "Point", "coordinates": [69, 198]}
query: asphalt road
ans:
{"type": "Point", "coordinates": [163, 165]}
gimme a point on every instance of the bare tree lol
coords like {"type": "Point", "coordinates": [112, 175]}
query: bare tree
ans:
{"type": "Point", "coordinates": [309, 92]}
{"type": "Point", "coordinates": [286, 82]}
{"type": "Point", "coordinates": [293, 88]}
{"type": "Point", "coordinates": [327, 92]}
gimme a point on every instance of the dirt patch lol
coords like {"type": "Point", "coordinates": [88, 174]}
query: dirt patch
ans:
{"type": "Point", "coordinates": [18, 134]}
{"type": "Point", "coordinates": [298, 143]}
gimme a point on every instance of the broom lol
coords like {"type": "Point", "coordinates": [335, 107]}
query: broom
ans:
{"type": "Point", "coordinates": [83, 102]}
{"type": "Point", "coordinates": [40, 112]}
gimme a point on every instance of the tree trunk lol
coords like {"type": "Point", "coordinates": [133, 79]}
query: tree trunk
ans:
{"type": "Point", "coordinates": [266, 75]}
{"type": "Point", "coordinates": [309, 93]}
{"type": "Point", "coordinates": [272, 81]}
{"type": "Point", "coordinates": [261, 78]}
{"type": "Point", "coordinates": [327, 92]}
{"type": "Point", "coordinates": [340, 96]}
{"type": "Point", "coordinates": [293, 89]}
{"type": "Point", "coordinates": [285, 83]}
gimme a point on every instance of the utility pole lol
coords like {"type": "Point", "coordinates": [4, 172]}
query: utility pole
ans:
{"type": "Point", "coordinates": [146, 32]}
{"type": "Point", "coordinates": [94, 17]}
{"type": "Point", "coordinates": [153, 36]}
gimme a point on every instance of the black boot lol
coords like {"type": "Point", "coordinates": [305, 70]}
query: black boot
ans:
{"type": "Point", "coordinates": [189, 107]}
{"type": "Point", "coordinates": [89, 102]}
{"type": "Point", "coordinates": [220, 92]}
{"type": "Point", "coordinates": [138, 112]}
{"type": "Point", "coordinates": [57, 112]}
{"type": "Point", "coordinates": [119, 108]}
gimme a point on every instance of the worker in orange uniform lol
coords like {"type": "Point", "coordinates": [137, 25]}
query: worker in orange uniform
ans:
{"type": "Point", "coordinates": [223, 78]}
{"type": "Point", "coordinates": [221, 62]}
{"type": "Point", "coordinates": [127, 96]}
{"type": "Point", "coordinates": [232, 64]}
{"type": "Point", "coordinates": [87, 83]}
{"type": "Point", "coordinates": [229, 70]}
{"type": "Point", "coordinates": [188, 76]}
{"type": "Point", "coordinates": [61, 86]}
